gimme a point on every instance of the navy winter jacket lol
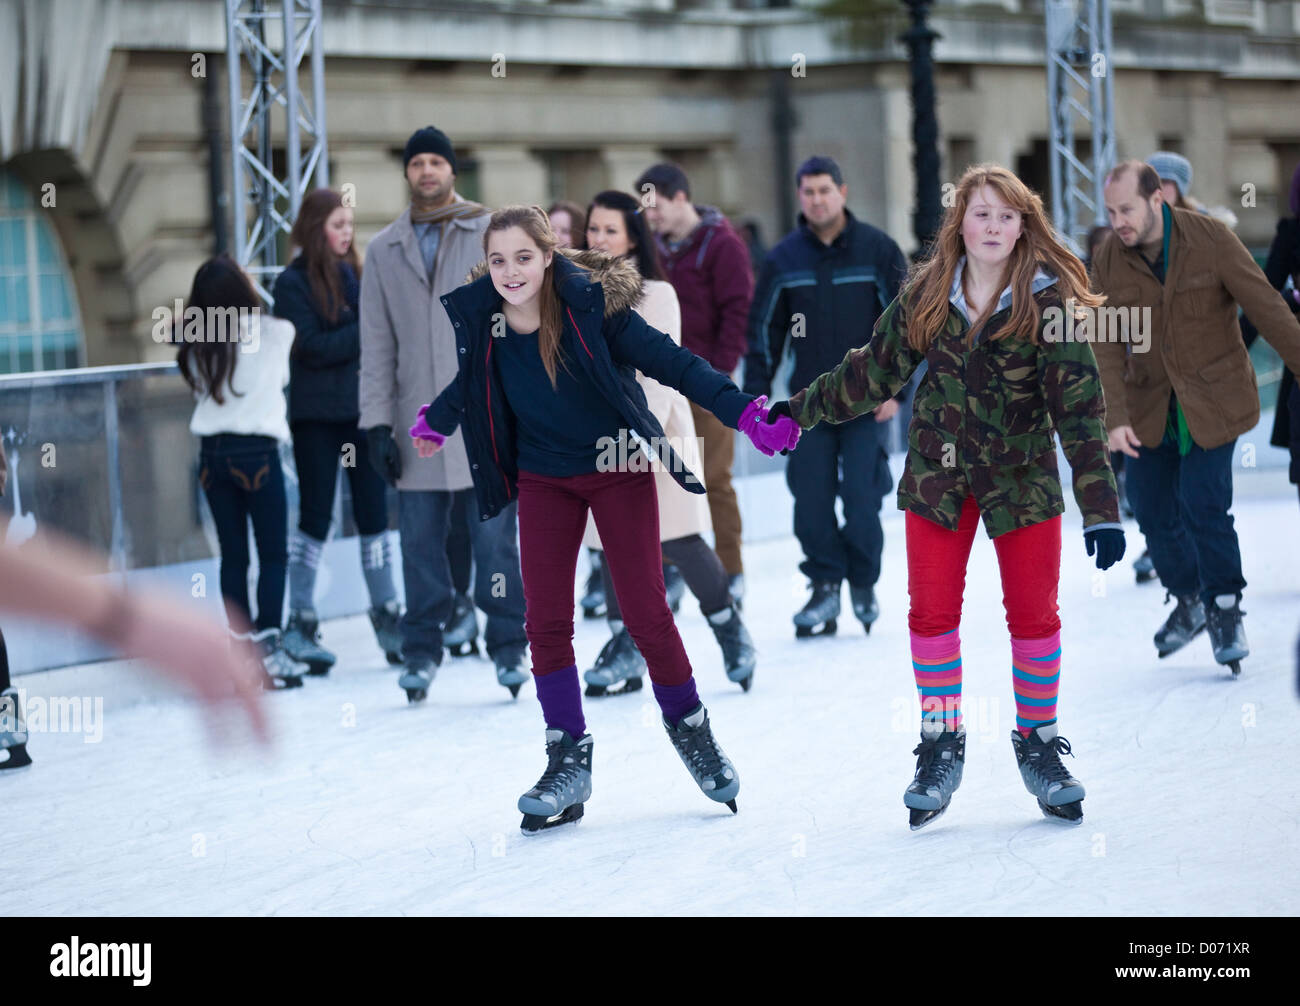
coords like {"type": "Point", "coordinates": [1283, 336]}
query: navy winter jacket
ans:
{"type": "Point", "coordinates": [325, 364]}
{"type": "Point", "coordinates": [596, 296]}
{"type": "Point", "coordinates": [837, 290]}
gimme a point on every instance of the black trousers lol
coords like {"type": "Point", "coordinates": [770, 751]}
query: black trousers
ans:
{"type": "Point", "coordinates": [317, 447]}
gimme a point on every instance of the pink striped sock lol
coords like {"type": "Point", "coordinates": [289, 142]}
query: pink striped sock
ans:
{"type": "Point", "coordinates": [936, 662]}
{"type": "Point", "coordinates": [1036, 679]}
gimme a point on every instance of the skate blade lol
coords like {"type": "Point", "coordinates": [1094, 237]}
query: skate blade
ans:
{"type": "Point", "coordinates": [918, 819]}
{"type": "Point", "coordinates": [746, 683]}
{"type": "Point", "coordinates": [1067, 813]}
{"type": "Point", "coordinates": [18, 759]}
{"type": "Point", "coordinates": [466, 649]}
{"type": "Point", "coordinates": [608, 691]}
{"type": "Point", "coordinates": [414, 695]}
{"type": "Point", "coordinates": [828, 628]}
{"type": "Point", "coordinates": [271, 684]}
{"type": "Point", "coordinates": [535, 824]}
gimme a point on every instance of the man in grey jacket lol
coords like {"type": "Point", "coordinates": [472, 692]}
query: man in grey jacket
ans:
{"type": "Point", "coordinates": [408, 355]}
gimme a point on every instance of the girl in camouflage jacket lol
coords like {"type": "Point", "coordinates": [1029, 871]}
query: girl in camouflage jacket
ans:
{"type": "Point", "coordinates": [994, 312]}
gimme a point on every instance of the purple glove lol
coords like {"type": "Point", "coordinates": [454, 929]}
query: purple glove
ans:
{"type": "Point", "coordinates": [422, 431]}
{"type": "Point", "coordinates": [766, 436]}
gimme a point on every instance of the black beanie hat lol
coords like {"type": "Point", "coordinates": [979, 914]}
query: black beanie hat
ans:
{"type": "Point", "coordinates": [429, 140]}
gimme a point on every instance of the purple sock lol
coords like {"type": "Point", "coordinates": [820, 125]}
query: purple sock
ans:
{"type": "Point", "coordinates": [677, 700]}
{"type": "Point", "coordinates": [561, 700]}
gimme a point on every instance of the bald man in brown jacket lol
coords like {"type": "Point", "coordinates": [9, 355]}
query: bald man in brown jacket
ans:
{"type": "Point", "coordinates": [1177, 399]}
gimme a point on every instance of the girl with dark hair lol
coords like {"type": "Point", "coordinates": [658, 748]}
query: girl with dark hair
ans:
{"type": "Point", "coordinates": [319, 292]}
{"type": "Point", "coordinates": [987, 311]}
{"type": "Point", "coordinates": [616, 227]}
{"type": "Point", "coordinates": [236, 360]}
{"type": "Point", "coordinates": [547, 393]}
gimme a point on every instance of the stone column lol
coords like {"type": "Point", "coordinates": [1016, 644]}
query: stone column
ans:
{"type": "Point", "coordinates": [509, 174]}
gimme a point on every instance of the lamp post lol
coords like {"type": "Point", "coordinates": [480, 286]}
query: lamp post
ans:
{"type": "Point", "coordinates": [919, 39]}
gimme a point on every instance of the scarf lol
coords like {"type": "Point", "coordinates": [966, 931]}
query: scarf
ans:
{"type": "Point", "coordinates": [455, 210]}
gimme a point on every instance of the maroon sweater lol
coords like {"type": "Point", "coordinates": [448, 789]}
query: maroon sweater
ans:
{"type": "Point", "coordinates": [714, 280]}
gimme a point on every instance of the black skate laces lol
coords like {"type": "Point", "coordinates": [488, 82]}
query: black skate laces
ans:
{"type": "Point", "coordinates": [1045, 758]}
{"type": "Point", "coordinates": [929, 762]}
{"type": "Point", "coordinates": [558, 770]}
{"type": "Point", "coordinates": [699, 747]}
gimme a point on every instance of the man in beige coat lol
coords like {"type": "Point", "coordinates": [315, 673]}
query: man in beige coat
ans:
{"type": "Point", "coordinates": [1181, 391]}
{"type": "Point", "coordinates": [408, 355]}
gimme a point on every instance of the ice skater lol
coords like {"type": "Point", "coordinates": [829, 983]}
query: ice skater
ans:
{"type": "Point", "coordinates": [616, 226]}
{"type": "Point", "coordinates": [548, 352]}
{"type": "Point", "coordinates": [319, 293]}
{"type": "Point", "coordinates": [238, 379]}
{"type": "Point", "coordinates": [1000, 382]}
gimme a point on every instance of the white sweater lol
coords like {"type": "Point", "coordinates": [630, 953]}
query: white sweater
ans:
{"type": "Point", "coordinates": [258, 406]}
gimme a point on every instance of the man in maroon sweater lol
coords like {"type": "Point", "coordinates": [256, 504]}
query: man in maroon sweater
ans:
{"type": "Point", "coordinates": [708, 265]}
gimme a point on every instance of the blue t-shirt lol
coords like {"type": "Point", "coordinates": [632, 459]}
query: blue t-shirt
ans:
{"type": "Point", "coordinates": [558, 430]}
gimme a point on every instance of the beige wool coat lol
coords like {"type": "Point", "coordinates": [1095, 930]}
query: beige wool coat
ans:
{"type": "Point", "coordinates": [408, 349]}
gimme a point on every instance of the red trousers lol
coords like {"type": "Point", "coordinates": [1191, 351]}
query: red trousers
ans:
{"type": "Point", "coordinates": [552, 518]}
{"type": "Point", "coordinates": [1029, 559]}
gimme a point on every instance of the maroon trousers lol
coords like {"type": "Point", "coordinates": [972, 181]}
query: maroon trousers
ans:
{"type": "Point", "coordinates": [552, 518]}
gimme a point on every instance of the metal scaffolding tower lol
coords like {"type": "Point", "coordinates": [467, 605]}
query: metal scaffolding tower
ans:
{"type": "Point", "coordinates": [1079, 94]}
{"type": "Point", "coordinates": [266, 43]}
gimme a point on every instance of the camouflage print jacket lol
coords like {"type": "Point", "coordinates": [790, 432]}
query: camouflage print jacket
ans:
{"type": "Point", "coordinates": [983, 416]}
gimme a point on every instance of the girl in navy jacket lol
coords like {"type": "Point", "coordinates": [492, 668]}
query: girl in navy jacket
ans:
{"type": "Point", "coordinates": [554, 416]}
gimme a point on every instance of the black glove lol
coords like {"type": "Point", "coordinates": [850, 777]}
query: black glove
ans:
{"type": "Point", "coordinates": [384, 457]}
{"type": "Point", "coordinates": [1107, 543]}
{"type": "Point", "coordinates": [776, 410]}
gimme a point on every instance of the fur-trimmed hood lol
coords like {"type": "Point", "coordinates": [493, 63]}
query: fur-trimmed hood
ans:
{"type": "Point", "coordinates": [619, 278]}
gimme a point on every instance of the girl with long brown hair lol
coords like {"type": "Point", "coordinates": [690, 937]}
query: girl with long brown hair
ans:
{"type": "Point", "coordinates": [553, 415]}
{"type": "Point", "coordinates": [994, 311]}
{"type": "Point", "coordinates": [235, 358]}
{"type": "Point", "coordinates": [320, 293]}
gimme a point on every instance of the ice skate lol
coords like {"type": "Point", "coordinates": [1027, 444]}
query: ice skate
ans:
{"type": "Point", "coordinates": [1059, 794]}
{"type": "Point", "coordinates": [674, 587]}
{"type": "Point", "coordinates": [417, 675]}
{"type": "Point", "coordinates": [1227, 634]}
{"type": "Point", "coordinates": [736, 587]}
{"type": "Point", "coordinates": [564, 787]}
{"type": "Point", "coordinates": [940, 758]}
{"type": "Point", "coordinates": [709, 766]}
{"type": "Point", "coordinates": [1183, 625]}
{"type": "Point", "coordinates": [619, 664]}
{"type": "Point", "coordinates": [1144, 570]}
{"type": "Point", "coordinates": [865, 608]}
{"type": "Point", "coordinates": [13, 732]}
{"type": "Point", "coordinates": [817, 617]}
{"type": "Point", "coordinates": [301, 640]}
{"type": "Point", "coordinates": [738, 653]}
{"type": "Point", "coordinates": [279, 670]}
{"type": "Point", "coordinates": [461, 634]}
{"type": "Point", "coordinates": [387, 621]}
{"type": "Point", "coordinates": [512, 668]}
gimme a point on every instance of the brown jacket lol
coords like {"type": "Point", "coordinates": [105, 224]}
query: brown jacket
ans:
{"type": "Point", "coordinates": [1195, 341]}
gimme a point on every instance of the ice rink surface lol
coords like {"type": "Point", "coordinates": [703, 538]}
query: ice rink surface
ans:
{"type": "Point", "coordinates": [367, 805]}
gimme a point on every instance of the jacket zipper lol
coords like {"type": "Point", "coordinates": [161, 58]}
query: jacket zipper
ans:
{"type": "Point", "coordinates": [492, 430]}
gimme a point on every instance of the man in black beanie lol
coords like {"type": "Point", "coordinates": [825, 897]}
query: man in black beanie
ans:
{"type": "Point", "coordinates": [408, 355]}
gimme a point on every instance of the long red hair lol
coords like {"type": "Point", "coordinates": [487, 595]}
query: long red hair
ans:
{"type": "Point", "coordinates": [926, 292]}
{"type": "Point", "coordinates": [322, 265]}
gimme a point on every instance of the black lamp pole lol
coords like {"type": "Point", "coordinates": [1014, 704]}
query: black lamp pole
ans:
{"type": "Point", "coordinates": [919, 39]}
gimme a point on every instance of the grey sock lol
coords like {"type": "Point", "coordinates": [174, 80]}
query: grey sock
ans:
{"type": "Point", "coordinates": [304, 558]}
{"type": "Point", "coordinates": [377, 565]}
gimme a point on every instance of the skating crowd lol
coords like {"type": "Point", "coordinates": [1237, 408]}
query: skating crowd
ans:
{"type": "Point", "coordinates": [487, 365]}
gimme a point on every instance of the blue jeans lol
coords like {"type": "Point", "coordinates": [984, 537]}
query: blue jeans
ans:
{"type": "Point", "coordinates": [424, 519]}
{"type": "Point", "coordinates": [813, 473]}
{"type": "Point", "coordinates": [244, 483]}
{"type": "Point", "coordinates": [1182, 504]}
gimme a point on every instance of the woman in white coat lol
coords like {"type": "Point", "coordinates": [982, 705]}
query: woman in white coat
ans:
{"type": "Point", "coordinates": [616, 227]}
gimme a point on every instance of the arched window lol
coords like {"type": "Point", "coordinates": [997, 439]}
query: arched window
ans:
{"type": "Point", "coordinates": [40, 328]}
